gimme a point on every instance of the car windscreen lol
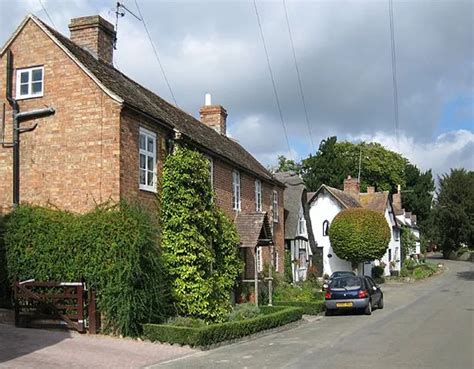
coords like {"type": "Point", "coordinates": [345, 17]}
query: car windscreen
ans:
{"type": "Point", "coordinates": [346, 283]}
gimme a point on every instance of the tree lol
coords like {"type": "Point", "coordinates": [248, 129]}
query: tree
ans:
{"type": "Point", "coordinates": [418, 192]}
{"type": "Point", "coordinates": [286, 165]}
{"type": "Point", "coordinates": [359, 235]}
{"type": "Point", "coordinates": [334, 161]}
{"type": "Point", "coordinates": [454, 210]}
{"type": "Point", "coordinates": [407, 242]}
{"type": "Point", "coordinates": [199, 243]}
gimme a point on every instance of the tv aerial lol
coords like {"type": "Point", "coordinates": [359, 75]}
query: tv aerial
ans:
{"type": "Point", "coordinates": [120, 11]}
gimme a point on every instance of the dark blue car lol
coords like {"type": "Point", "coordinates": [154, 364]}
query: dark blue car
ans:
{"type": "Point", "coordinates": [353, 292]}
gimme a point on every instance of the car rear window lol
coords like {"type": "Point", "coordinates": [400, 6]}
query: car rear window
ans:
{"type": "Point", "coordinates": [346, 283]}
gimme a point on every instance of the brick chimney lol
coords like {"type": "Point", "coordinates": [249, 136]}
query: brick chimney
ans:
{"type": "Point", "coordinates": [213, 116]}
{"type": "Point", "coordinates": [370, 189]}
{"type": "Point", "coordinates": [351, 186]}
{"type": "Point", "coordinates": [94, 34]}
{"type": "Point", "coordinates": [397, 199]}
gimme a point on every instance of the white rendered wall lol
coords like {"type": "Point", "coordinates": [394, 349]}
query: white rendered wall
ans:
{"type": "Point", "coordinates": [324, 207]}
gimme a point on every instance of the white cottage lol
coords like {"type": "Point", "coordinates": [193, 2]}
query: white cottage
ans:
{"type": "Point", "coordinates": [327, 202]}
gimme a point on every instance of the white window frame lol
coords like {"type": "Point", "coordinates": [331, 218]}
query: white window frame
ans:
{"type": "Point", "coordinates": [148, 154]}
{"type": "Point", "coordinates": [259, 259]}
{"type": "Point", "coordinates": [236, 201]}
{"type": "Point", "coordinates": [258, 195]}
{"type": "Point", "coordinates": [275, 206]}
{"type": "Point", "coordinates": [29, 95]}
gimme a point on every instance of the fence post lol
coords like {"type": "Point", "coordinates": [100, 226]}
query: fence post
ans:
{"type": "Point", "coordinates": [80, 308]}
{"type": "Point", "coordinates": [93, 315]}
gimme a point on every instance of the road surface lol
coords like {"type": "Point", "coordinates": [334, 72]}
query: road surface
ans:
{"type": "Point", "coordinates": [425, 325]}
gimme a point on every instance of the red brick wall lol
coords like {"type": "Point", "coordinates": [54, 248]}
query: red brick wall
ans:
{"type": "Point", "coordinates": [72, 159]}
{"type": "Point", "coordinates": [129, 159]}
{"type": "Point", "coordinates": [223, 188]}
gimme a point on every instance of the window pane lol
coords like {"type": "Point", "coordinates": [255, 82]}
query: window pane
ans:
{"type": "Point", "coordinates": [142, 161]}
{"type": "Point", "coordinates": [151, 146]}
{"type": "Point", "coordinates": [24, 90]}
{"type": "Point", "coordinates": [36, 87]}
{"type": "Point", "coordinates": [151, 163]}
{"type": "Point", "coordinates": [37, 75]}
{"type": "Point", "coordinates": [24, 77]}
{"type": "Point", "coordinates": [150, 178]}
{"type": "Point", "coordinates": [142, 176]}
{"type": "Point", "coordinates": [142, 142]}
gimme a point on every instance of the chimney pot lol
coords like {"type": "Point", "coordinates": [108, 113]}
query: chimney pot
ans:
{"type": "Point", "coordinates": [94, 34]}
{"type": "Point", "coordinates": [207, 100]}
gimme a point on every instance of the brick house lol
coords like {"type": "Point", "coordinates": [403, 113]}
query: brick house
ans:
{"type": "Point", "coordinates": [109, 136]}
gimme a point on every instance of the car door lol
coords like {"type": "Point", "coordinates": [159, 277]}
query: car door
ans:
{"type": "Point", "coordinates": [374, 291]}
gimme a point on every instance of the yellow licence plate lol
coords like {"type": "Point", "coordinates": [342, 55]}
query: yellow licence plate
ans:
{"type": "Point", "coordinates": [344, 304]}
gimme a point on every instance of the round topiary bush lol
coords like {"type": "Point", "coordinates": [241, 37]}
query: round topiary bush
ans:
{"type": "Point", "coordinates": [359, 235]}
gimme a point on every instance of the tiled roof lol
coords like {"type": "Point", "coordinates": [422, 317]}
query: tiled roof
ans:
{"type": "Point", "coordinates": [344, 198]}
{"type": "Point", "coordinates": [253, 227]}
{"type": "Point", "coordinates": [376, 201]}
{"type": "Point", "coordinates": [138, 97]}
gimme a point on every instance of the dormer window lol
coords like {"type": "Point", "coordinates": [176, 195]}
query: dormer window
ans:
{"type": "Point", "coordinates": [29, 82]}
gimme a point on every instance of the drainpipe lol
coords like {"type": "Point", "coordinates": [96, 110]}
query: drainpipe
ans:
{"type": "Point", "coordinates": [17, 119]}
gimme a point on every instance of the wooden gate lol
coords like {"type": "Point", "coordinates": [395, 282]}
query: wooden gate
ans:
{"type": "Point", "coordinates": [54, 304]}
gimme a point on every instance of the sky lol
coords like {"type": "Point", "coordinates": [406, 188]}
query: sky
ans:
{"type": "Point", "coordinates": [344, 58]}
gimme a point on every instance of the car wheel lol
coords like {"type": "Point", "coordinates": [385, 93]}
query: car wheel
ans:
{"type": "Point", "coordinates": [380, 305]}
{"type": "Point", "coordinates": [368, 308]}
{"type": "Point", "coordinates": [329, 312]}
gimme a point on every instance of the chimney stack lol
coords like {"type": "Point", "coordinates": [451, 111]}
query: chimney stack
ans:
{"type": "Point", "coordinates": [351, 186]}
{"type": "Point", "coordinates": [370, 189]}
{"type": "Point", "coordinates": [397, 199]}
{"type": "Point", "coordinates": [94, 34]}
{"type": "Point", "coordinates": [214, 116]}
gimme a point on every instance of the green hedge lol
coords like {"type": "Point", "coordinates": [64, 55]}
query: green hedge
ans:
{"type": "Point", "coordinates": [214, 333]}
{"type": "Point", "coordinates": [5, 290]}
{"type": "Point", "coordinates": [113, 248]}
{"type": "Point", "coordinates": [309, 308]}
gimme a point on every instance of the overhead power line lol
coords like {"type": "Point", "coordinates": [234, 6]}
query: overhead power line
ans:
{"type": "Point", "coordinates": [47, 14]}
{"type": "Point", "coordinates": [156, 53]}
{"type": "Point", "coordinates": [272, 78]}
{"type": "Point", "coordinates": [394, 71]}
{"type": "Point", "coordinates": [299, 76]}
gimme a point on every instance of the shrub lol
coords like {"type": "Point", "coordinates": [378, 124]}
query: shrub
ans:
{"type": "Point", "coordinates": [271, 317]}
{"type": "Point", "coordinates": [309, 307]}
{"type": "Point", "coordinates": [243, 311]}
{"type": "Point", "coordinates": [359, 235]}
{"type": "Point", "coordinates": [181, 321]}
{"type": "Point", "coordinates": [305, 291]}
{"type": "Point", "coordinates": [288, 267]}
{"type": "Point", "coordinates": [113, 248]}
{"type": "Point", "coordinates": [5, 294]}
{"type": "Point", "coordinates": [199, 243]}
{"type": "Point", "coordinates": [377, 271]}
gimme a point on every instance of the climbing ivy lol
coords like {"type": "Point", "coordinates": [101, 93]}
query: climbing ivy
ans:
{"type": "Point", "coordinates": [199, 243]}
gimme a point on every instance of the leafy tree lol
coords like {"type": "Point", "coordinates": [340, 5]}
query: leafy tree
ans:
{"type": "Point", "coordinates": [418, 193]}
{"type": "Point", "coordinates": [454, 211]}
{"type": "Point", "coordinates": [286, 165]}
{"type": "Point", "coordinates": [359, 235]}
{"type": "Point", "coordinates": [334, 161]}
{"type": "Point", "coordinates": [199, 242]}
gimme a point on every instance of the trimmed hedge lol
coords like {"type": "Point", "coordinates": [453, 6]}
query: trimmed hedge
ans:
{"type": "Point", "coordinates": [309, 308]}
{"type": "Point", "coordinates": [214, 333]}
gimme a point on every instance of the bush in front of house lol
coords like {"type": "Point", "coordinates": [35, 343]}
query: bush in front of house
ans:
{"type": "Point", "coordinates": [271, 317]}
{"type": "Point", "coordinates": [378, 271]}
{"type": "Point", "coordinates": [243, 311]}
{"type": "Point", "coordinates": [199, 242]}
{"type": "Point", "coordinates": [5, 290]}
{"type": "Point", "coordinates": [418, 271]}
{"type": "Point", "coordinates": [359, 235]}
{"type": "Point", "coordinates": [113, 248]}
{"type": "Point", "coordinates": [309, 307]}
{"type": "Point", "coordinates": [305, 291]}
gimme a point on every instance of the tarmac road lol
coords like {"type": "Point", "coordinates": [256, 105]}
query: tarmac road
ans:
{"type": "Point", "coordinates": [424, 325]}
